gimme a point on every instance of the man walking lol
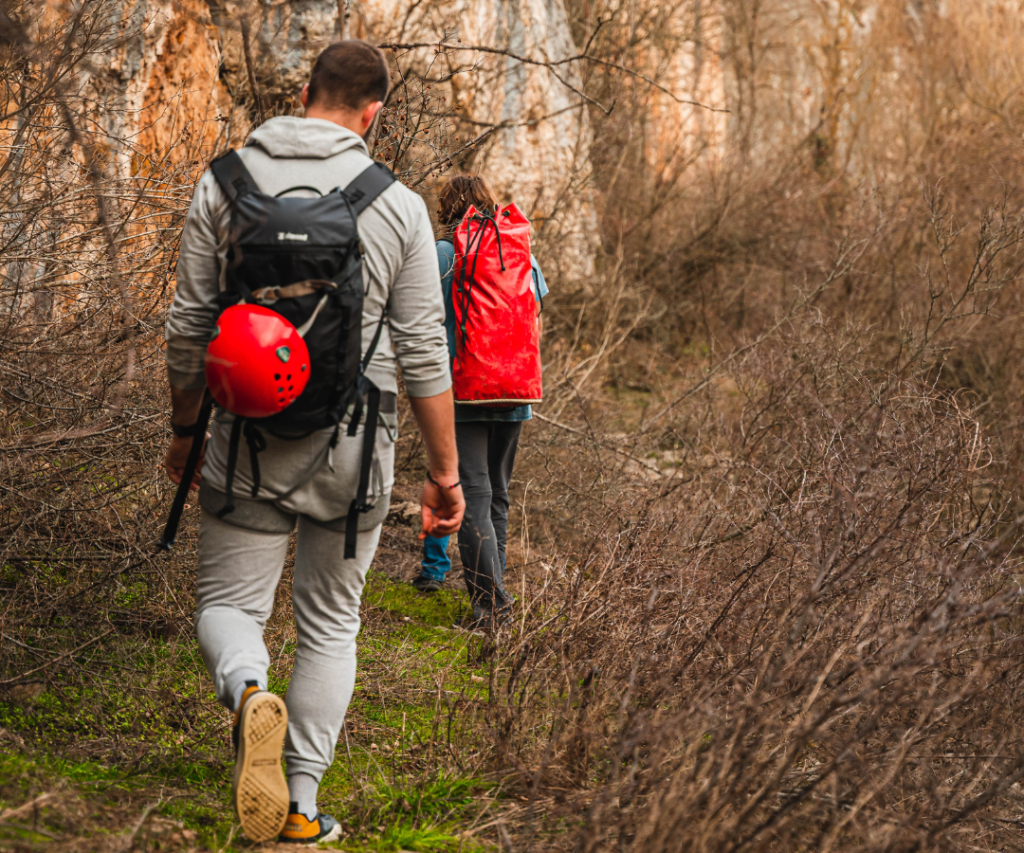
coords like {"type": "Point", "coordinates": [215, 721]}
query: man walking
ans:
{"type": "Point", "coordinates": [309, 481]}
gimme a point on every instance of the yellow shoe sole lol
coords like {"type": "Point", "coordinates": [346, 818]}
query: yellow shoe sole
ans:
{"type": "Point", "coordinates": [260, 789]}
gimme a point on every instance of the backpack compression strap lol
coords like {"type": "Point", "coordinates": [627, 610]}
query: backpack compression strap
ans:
{"type": "Point", "coordinates": [361, 193]}
{"type": "Point", "coordinates": [233, 177]}
{"type": "Point", "coordinates": [359, 504]}
{"type": "Point", "coordinates": [365, 394]}
{"type": "Point", "coordinates": [367, 185]}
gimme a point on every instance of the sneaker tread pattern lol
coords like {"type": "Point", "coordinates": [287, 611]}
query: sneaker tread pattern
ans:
{"type": "Point", "coordinates": [261, 793]}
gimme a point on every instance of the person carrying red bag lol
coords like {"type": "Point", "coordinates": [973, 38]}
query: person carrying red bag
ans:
{"type": "Point", "coordinates": [493, 290]}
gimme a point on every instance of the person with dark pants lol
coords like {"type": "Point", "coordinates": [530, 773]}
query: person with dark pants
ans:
{"type": "Point", "coordinates": [487, 439]}
{"type": "Point", "coordinates": [489, 452]}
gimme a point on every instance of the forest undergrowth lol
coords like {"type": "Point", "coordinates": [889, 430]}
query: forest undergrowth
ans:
{"type": "Point", "coordinates": [765, 527]}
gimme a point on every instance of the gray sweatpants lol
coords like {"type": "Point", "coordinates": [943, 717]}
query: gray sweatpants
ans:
{"type": "Point", "coordinates": [239, 571]}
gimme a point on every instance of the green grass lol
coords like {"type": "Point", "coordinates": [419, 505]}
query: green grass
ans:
{"type": "Point", "coordinates": [103, 792]}
{"type": "Point", "coordinates": [154, 699]}
{"type": "Point", "coordinates": [425, 813]}
{"type": "Point", "coordinates": [19, 772]}
{"type": "Point", "coordinates": [402, 836]}
{"type": "Point", "coordinates": [436, 797]}
{"type": "Point", "coordinates": [131, 594]}
{"type": "Point", "coordinates": [148, 729]}
{"type": "Point", "coordinates": [438, 609]}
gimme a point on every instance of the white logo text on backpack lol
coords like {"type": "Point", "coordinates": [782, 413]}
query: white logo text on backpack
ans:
{"type": "Point", "coordinates": [287, 235]}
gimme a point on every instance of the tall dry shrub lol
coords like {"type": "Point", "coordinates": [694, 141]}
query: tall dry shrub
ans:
{"type": "Point", "coordinates": [832, 113]}
{"type": "Point", "coordinates": [787, 616]}
{"type": "Point", "coordinates": [804, 634]}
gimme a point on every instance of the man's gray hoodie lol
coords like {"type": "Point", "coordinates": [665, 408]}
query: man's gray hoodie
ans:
{"type": "Point", "coordinates": [401, 274]}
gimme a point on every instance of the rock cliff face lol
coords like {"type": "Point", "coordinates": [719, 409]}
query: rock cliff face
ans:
{"type": "Point", "coordinates": [185, 76]}
{"type": "Point", "coordinates": [166, 93]}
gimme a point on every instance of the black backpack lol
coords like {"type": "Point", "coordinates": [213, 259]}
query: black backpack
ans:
{"type": "Point", "coordinates": [302, 258]}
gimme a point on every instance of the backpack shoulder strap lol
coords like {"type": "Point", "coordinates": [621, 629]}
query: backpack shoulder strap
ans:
{"type": "Point", "coordinates": [233, 177]}
{"type": "Point", "coordinates": [367, 185]}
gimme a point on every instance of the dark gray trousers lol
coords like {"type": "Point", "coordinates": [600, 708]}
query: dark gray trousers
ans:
{"type": "Point", "coordinates": [487, 452]}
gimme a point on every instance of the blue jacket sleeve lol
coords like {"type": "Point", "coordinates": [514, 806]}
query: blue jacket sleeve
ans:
{"type": "Point", "coordinates": [540, 287]}
{"type": "Point", "coordinates": [446, 266]}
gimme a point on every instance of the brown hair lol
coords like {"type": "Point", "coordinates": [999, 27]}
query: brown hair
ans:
{"type": "Point", "coordinates": [349, 74]}
{"type": "Point", "coordinates": [458, 194]}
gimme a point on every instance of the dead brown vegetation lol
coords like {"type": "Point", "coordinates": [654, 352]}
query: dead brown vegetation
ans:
{"type": "Point", "coordinates": [768, 558]}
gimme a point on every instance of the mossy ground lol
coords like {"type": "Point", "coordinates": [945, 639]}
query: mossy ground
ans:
{"type": "Point", "coordinates": [141, 759]}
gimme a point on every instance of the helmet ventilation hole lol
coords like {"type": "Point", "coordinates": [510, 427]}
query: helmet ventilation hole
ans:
{"type": "Point", "coordinates": [280, 390]}
{"type": "Point", "coordinates": [277, 377]}
{"type": "Point", "coordinates": [289, 377]}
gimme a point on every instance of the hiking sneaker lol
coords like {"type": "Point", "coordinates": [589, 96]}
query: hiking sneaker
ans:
{"type": "Point", "coordinates": [299, 829]}
{"type": "Point", "coordinates": [425, 584]}
{"type": "Point", "coordinates": [259, 790]}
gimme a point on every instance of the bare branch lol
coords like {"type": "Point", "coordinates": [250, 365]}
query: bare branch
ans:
{"type": "Point", "coordinates": [551, 65]}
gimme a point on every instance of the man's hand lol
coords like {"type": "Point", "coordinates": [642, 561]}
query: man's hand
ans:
{"type": "Point", "coordinates": [442, 509]}
{"type": "Point", "coordinates": [177, 456]}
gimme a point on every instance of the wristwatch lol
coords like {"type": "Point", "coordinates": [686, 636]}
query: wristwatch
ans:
{"type": "Point", "coordinates": [181, 431]}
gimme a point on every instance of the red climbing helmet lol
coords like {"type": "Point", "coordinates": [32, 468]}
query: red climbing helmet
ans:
{"type": "Point", "coordinates": [257, 363]}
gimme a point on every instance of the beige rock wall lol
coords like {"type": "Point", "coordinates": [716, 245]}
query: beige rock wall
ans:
{"type": "Point", "coordinates": [166, 92]}
{"type": "Point", "coordinates": [186, 91]}
{"type": "Point", "coordinates": [540, 158]}
{"type": "Point", "coordinates": [850, 87]}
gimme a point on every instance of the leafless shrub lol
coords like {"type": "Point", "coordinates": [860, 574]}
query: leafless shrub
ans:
{"type": "Point", "coordinates": [86, 274]}
{"type": "Point", "coordinates": [787, 612]}
{"type": "Point", "coordinates": [802, 635]}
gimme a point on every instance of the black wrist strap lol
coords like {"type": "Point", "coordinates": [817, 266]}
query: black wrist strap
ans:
{"type": "Point", "coordinates": [178, 507]}
{"type": "Point", "coordinates": [185, 431]}
{"type": "Point", "coordinates": [452, 486]}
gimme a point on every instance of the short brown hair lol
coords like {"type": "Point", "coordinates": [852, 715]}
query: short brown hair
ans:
{"type": "Point", "coordinates": [458, 194]}
{"type": "Point", "coordinates": [349, 74]}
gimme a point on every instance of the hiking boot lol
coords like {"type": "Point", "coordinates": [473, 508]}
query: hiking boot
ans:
{"type": "Point", "coordinates": [425, 584]}
{"type": "Point", "coordinates": [301, 830]}
{"type": "Point", "coordinates": [259, 789]}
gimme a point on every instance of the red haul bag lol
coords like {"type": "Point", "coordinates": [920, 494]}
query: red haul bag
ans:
{"type": "Point", "coordinates": [497, 338]}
